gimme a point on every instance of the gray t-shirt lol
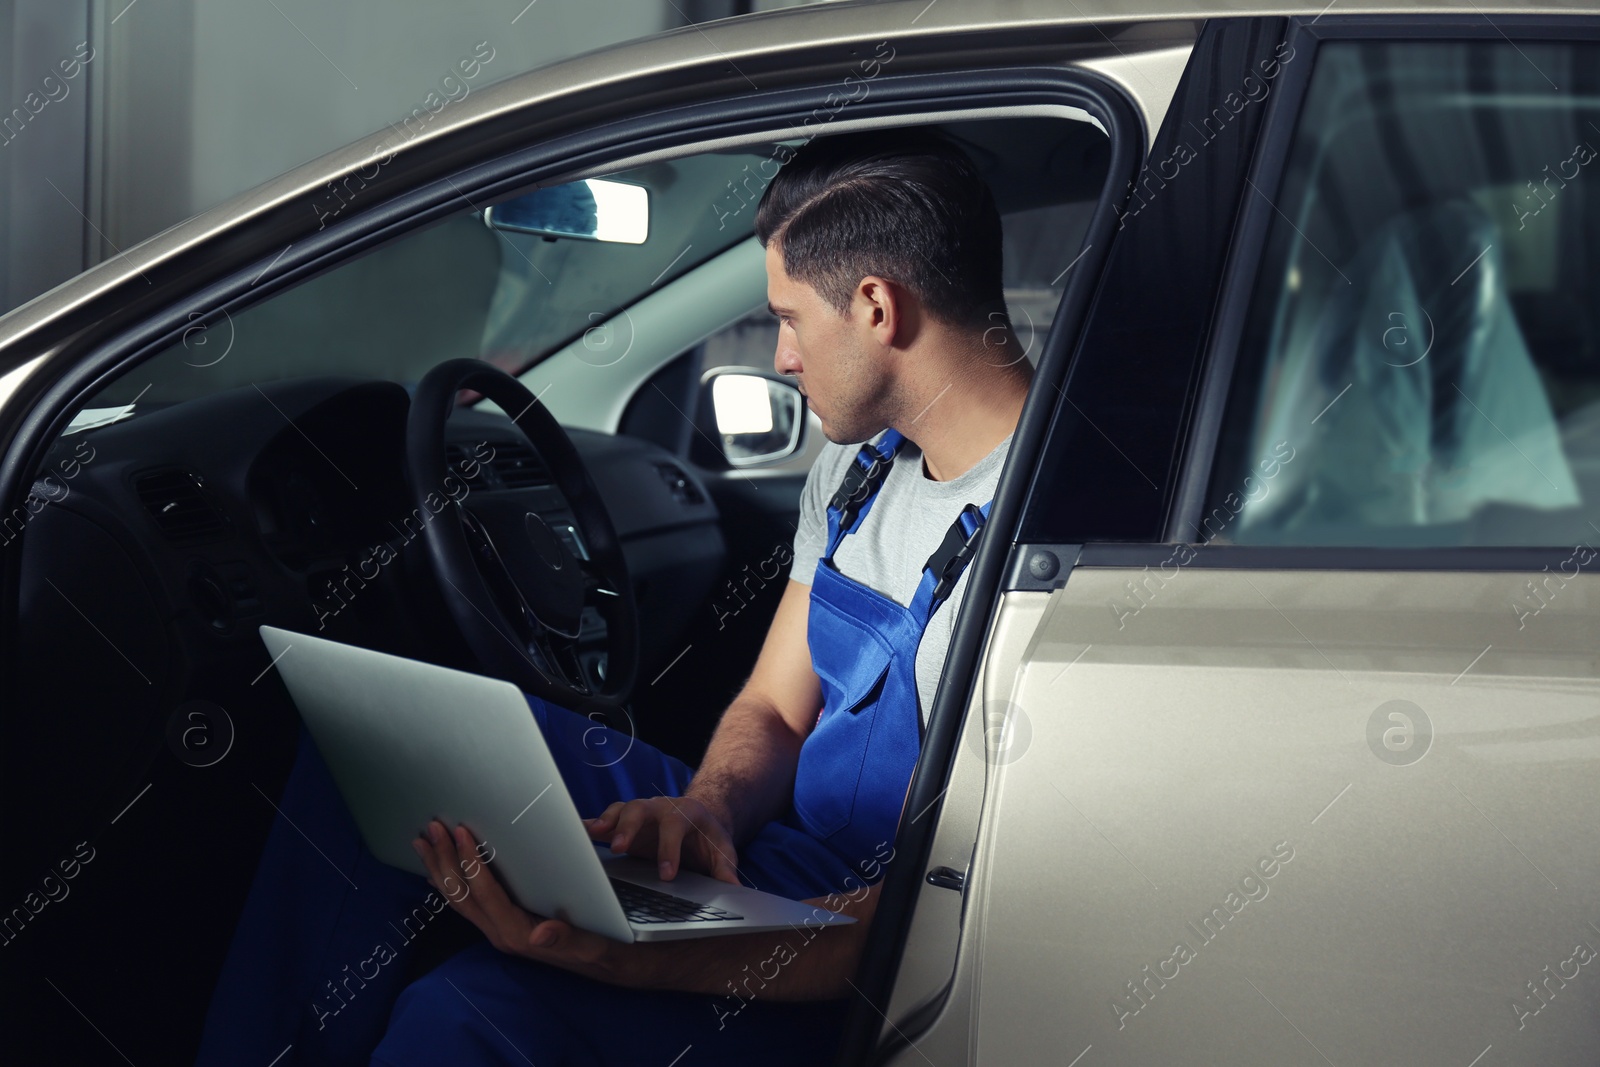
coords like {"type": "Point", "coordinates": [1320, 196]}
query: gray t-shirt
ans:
{"type": "Point", "coordinates": [889, 547]}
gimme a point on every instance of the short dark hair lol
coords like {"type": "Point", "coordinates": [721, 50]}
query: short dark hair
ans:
{"type": "Point", "coordinates": [907, 205]}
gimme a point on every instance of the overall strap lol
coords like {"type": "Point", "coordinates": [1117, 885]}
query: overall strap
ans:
{"type": "Point", "coordinates": [949, 560]}
{"type": "Point", "coordinates": [862, 480]}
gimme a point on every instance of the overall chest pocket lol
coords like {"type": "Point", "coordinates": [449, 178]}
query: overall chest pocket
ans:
{"type": "Point", "coordinates": [852, 662]}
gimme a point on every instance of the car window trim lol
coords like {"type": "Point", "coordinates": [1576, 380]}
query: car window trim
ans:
{"type": "Point", "coordinates": [1220, 359]}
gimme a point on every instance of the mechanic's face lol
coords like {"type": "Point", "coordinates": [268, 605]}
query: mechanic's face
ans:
{"type": "Point", "coordinates": [839, 361]}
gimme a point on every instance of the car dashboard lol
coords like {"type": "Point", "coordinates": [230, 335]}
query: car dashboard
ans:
{"type": "Point", "coordinates": [147, 571]}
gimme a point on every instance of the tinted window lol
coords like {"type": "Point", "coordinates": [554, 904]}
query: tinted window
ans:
{"type": "Point", "coordinates": [1420, 362]}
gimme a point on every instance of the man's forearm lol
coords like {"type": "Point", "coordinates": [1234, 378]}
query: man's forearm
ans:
{"type": "Point", "coordinates": [748, 769]}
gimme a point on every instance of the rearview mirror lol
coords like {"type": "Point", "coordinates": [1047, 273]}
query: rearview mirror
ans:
{"type": "Point", "coordinates": [595, 209]}
{"type": "Point", "coordinates": [759, 418]}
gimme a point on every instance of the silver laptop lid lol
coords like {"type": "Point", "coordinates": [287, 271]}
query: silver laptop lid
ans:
{"type": "Point", "coordinates": [399, 762]}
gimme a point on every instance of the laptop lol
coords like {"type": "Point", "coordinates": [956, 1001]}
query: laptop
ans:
{"type": "Point", "coordinates": [408, 742]}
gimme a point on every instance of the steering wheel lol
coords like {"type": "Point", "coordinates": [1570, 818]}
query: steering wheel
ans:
{"type": "Point", "coordinates": [515, 590]}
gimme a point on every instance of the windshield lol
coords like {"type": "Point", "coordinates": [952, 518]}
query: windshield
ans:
{"type": "Point", "coordinates": [458, 288]}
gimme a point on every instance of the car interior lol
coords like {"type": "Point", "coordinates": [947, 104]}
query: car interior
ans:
{"type": "Point", "coordinates": [265, 470]}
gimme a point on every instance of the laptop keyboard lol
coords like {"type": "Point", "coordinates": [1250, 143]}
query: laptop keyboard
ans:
{"type": "Point", "coordinates": [642, 904]}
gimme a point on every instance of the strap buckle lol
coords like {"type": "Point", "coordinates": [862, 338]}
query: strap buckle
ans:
{"type": "Point", "coordinates": [859, 485]}
{"type": "Point", "coordinates": [950, 559]}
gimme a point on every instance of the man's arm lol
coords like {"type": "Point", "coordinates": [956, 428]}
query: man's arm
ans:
{"type": "Point", "coordinates": [747, 774]}
{"type": "Point", "coordinates": [749, 766]}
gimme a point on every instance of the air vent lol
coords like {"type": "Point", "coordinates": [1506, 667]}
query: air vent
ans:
{"type": "Point", "coordinates": [179, 506]}
{"type": "Point", "coordinates": [683, 490]}
{"type": "Point", "coordinates": [460, 458]}
{"type": "Point", "coordinates": [517, 467]}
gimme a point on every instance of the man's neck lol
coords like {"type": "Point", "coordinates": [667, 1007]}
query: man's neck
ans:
{"type": "Point", "coordinates": [962, 406]}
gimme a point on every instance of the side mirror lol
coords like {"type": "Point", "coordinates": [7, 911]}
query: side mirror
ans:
{"type": "Point", "coordinates": [595, 209]}
{"type": "Point", "coordinates": [760, 418]}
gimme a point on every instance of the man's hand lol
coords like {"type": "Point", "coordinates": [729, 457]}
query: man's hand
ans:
{"type": "Point", "coordinates": [475, 893]}
{"type": "Point", "coordinates": [667, 828]}
{"type": "Point", "coordinates": [815, 964]}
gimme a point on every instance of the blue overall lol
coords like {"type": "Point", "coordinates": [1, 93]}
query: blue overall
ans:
{"type": "Point", "coordinates": [305, 975]}
{"type": "Point", "coordinates": [856, 764]}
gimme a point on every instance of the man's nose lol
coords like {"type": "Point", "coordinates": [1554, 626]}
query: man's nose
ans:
{"type": "Point", "coordinates": [786, 360]}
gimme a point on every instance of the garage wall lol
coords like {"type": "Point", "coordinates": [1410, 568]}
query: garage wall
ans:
{"type": "Point", "coordinates": [43, 127]}
{"type": "Point", "coordinates": [236, 91]}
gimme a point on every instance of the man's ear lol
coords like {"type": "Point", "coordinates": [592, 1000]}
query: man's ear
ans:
{"type": "Point", "coordinates": [882, 307]}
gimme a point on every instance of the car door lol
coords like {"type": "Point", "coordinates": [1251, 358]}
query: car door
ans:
{"type": "Point", "coordinates": [1286, 729]}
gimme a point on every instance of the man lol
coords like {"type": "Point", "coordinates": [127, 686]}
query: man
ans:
{"type": "Point", "coordinates": [883, 254]}
{"type": "Point", "coordinates": [884, 270]}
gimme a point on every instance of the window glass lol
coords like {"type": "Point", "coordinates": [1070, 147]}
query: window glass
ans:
{"type": "Point", "coordinates": [458, 288]}
{"type": "Point", "coordinates": [1420, 363]}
